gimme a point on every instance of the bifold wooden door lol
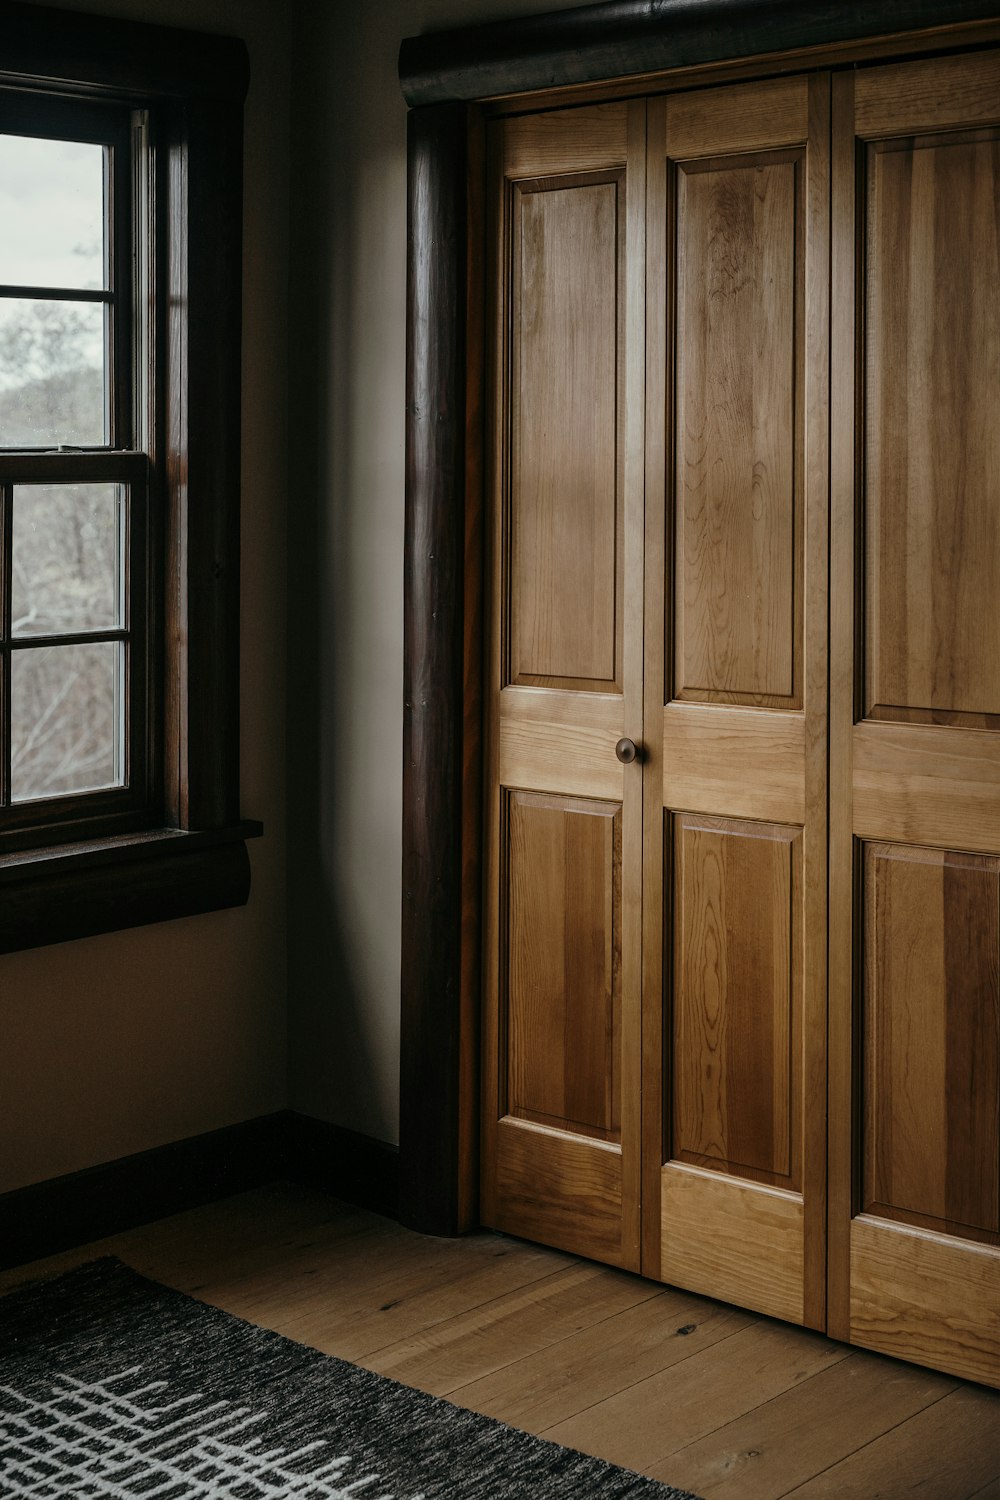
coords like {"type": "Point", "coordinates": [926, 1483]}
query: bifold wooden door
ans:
{"type": "Point", "coordinates": [915, 713]}
{"type": "Point", "coordinates": [735, 723]}
{"type": "Point", "coordinates": [563, 924]}
{"type": "Point", "coordinates": [675, 660]}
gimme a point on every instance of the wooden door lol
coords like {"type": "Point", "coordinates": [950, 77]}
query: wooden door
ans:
{"type": "Point", "coordinates": [915, 714]}
{"type": "Point", "coordinates": [735, 709]}
{"type": "Point", "coordinates": [563, 856]}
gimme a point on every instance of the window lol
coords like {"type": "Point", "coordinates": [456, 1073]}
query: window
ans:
{"type": "Point", "coordinates": [78, 306]}
{"type": "Point", "coordinates": [120, 208]}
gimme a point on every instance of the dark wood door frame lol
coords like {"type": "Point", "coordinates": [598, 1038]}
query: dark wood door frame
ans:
{"type": "Point", "coordinates": [444, 76]}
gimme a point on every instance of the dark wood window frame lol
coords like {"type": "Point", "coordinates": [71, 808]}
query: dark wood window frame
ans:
{"type": "Point", "coordinates": [451, 80]}
{"type": "Point", "coordinates": [185, 851]}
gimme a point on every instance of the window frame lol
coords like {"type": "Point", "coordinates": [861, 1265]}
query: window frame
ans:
{"type": "Point", "coordinates": [184, 849]}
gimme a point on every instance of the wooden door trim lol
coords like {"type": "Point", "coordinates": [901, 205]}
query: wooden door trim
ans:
{"type": "Point", "coordinates": [620, 43]}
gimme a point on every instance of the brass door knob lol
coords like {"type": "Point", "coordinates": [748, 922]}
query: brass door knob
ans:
{"type": "Point", "coordinates": [626, 751]}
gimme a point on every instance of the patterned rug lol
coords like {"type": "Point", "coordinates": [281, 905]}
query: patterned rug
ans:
{"type": "Point", "coordinates": [111, 1385]}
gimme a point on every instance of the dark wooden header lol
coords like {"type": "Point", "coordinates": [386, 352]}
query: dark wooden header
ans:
{"type": "Point", "coordinates": [126, 58]}
{"type": "Point", "coordinates": [592, 43]}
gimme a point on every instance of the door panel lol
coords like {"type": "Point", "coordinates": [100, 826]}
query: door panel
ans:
{"type": "Point", "coordinates": [932, 445]}
{"type": "Point", "coordinates": [737, 997]}
{"type": "Point", "coordinates": [735, 693]}
{"type": "Point", "coordinates": [915, 758]}
{"type": "Point", "coordinates": [565, 494]}
{"type": "Point", "coordinates": [739, 255]}
{"type": "Point", "coordinates": [563, 963]}
{"type": "Point", "coordinates": [562, 951]}
{"type": "Point", "coordinates": [931, 1011]}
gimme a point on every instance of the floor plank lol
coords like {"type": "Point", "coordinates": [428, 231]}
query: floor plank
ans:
{"type": "Point", "coordinates": [947, 1452]}
{"type": "Point", "coordinates": [700, 1394]}
{"type": "Point", "coordinates": [792, 1437]}
{"type": "Point", "coordinates": [652, 1418]}
{"type": "Point", "coordinates": [477, 1343]}
{"type": "Point", "coordinates": [538, 1391]}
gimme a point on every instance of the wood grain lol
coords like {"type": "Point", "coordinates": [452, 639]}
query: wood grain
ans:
{"type": "Point", "coordinates": [932, 443]}
{"type": "Point", "coordinates": [597, 1361]}
{"type": "Point", "coordinates": [932, 1036]}
{"type": "Point", "coordinates": [738, 531]}
{"type": "Point", "coordinates": [926, 784]}
{"type": "Point", "coordinates": [842, 1075]}
{"type": "Point", "coordinates": [561, 1189]}
{"type": "Point", "coordinates": [737, 997]}
{"type": "Point", "coordinates": [660, 1414]}
{"type": "Point", "coordinates": [574, 758]}
{"type": "Point", "coordinates": [926, 1297]}
{"type": "Point", "coordinates": [741, 1239]}
{"type": "Point", "coordinates": [703, 745]}
{"type": "Point", "coordinates": [792, 1437]}
{"type": "Point", "coordinates": [707, 122]}
{"type": "Point", "coordinates": [936, 93]}
{"type": "Point", "coordinates": [562, 1016]}
{"type": "Point", "coordinates": [565, 501]}
{"type": "Point", "coordinates": [544, 144]}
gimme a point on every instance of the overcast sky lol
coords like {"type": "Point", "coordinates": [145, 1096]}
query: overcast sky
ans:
{"type": "Point", "coordinates": [51, 213]}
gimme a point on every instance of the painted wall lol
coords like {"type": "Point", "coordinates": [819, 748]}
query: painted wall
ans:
{"type": "Point", "coordinates": [124, 1042]}
{"type": "Point", "coordinates": [346, 547]}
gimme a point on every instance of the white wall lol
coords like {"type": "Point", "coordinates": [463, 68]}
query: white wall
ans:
{"type": "Point", "coordinates": [123, 1042]}
{"type": "Point", "coordinates": [346, 547]}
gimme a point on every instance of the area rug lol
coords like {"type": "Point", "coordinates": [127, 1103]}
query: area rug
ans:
{"type": "Point", "coordinates": [111, 1385]}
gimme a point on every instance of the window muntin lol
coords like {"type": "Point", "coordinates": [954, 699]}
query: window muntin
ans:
{"type": "Point", "coordinates": [78, 748]}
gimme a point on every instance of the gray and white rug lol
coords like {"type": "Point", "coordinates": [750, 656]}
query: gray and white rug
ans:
{"type": "Point", "coordinates": [114, 1386]}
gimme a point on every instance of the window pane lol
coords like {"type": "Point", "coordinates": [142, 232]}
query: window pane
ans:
{"type": "Point", "coordinates": [51, 213]}
{"type": "Point", "coordinates": [52, 379]}
{"type": "Point", "coordinates": [67, 726]}
{"type": "Point", "coordinates": [68, 560]}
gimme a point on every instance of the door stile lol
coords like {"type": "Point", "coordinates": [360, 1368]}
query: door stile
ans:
{"type": "Point", "coordinates": [658, 535]}
{"type": "Point", "coordinates": [632, 605]}
{"type": "Point", "coordinates": [816, 632]}
{"type": "Point", "coordinates": [843, 1092]}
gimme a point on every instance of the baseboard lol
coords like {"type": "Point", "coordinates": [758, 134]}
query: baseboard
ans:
{"type": "Point", "coordinates": [48, 1217]}
{"type": "Point", "coordinates": [343, 1162]}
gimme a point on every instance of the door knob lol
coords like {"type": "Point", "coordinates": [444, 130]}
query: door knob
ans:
{"type": "Point", "coordinates": [626, 751]}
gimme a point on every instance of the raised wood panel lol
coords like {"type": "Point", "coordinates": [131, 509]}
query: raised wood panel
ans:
{"type": "Point", "coordinates": [739, 267]}
{"type": "Point", "coordinates": [736, 997]}
{"type": "Point", "coordinates": [938, 93]}
{"type": "Point", "coordinates": [565, 510]}
{"type": "Point", "coordinates": [926, 785]}
{"type": "Point", "coordinates": [561, 1189]}
{"type": "Point", "coordinates": [932, 440]}
{"type": "Point", "coordinates": [932, 1036]}
{"type": "Point", "coordinates": [737, 1241]}
{"type": "Point", "coordinates": [565, 140]}
{"type": "Point", "coordinates": [712, 122]}
{"type": "Point", "coordinates": [563, 963]}
{"type": "Point", "coordinates": [745, 763]}
{"type": "Point", "coordinates": [926, 1297]}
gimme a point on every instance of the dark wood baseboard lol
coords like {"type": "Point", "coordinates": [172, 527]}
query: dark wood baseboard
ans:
{"type": "Point", "coordinates": [48, 1217]}
{"type": "Point", "coordinates": [343, 1162]}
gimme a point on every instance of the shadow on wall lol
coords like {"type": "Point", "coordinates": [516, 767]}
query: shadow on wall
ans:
{"type": "Point", "coordinates": [345, 570]}
{"type": "Point", "coordinates": [345, 549]}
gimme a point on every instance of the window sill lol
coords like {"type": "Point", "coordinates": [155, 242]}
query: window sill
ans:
{"type": "Point", "coordinates": [54, 894]}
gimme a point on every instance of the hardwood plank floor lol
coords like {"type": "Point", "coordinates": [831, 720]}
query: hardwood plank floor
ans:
{"type": "Point", "coordinates": [705, 1396]}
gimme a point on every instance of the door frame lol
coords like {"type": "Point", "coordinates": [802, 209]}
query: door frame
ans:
{"type": "Point", "coordinates": [452, 80]}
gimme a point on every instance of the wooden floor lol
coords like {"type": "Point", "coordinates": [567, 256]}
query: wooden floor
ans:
{"type": "Point", "coordinates": [719, 1401]}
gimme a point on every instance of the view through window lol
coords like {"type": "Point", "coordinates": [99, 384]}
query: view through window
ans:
{"type": "Point", "coordinates": [64, 413]}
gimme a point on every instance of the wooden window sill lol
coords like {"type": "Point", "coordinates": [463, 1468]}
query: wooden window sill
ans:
{"type": "Point", "coordinates": [54, 894]}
